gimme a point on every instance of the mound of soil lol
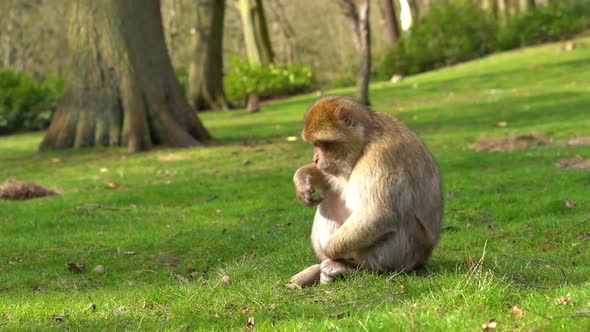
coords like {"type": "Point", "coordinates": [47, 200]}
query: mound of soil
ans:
{"type": "Point", "coordinates": [12, 189]}
{"type": "Point", "coordinates": [577, 162]}
{"type": "Point", "coordinates": [510, 142]}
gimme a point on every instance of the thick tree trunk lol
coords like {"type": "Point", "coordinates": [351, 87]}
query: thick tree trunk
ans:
{"type": "Point", "coordinates": [206, 69]}
{"type": "Point", "coordinates": [120, 86]}
{"type": "Point", "coordinates": [362, 84]}
{"type": "Point", "coordinates": [390, 16]}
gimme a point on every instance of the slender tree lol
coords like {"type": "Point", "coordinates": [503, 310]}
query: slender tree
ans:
{"type": "Point", "coordinates": [414, 10]}
{"type": "Point", "coordinates": [120, 86]}
{"type": "Point", "coordinates": [360, 24]}
{"type": "Point", "coordinates": [205, 89]}
{"type": "Point", "coordinates": [390, 16]}
{"type": "Point", "coordinates": [257, 40]}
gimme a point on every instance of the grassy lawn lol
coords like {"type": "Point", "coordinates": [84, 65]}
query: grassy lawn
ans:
{"type": "Point", "coordinates": [179, 220]}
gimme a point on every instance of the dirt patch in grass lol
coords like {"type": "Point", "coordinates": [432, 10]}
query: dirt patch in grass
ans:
{"type": "Point", "coordinates": [510, 142]}
{"type": "Point", "coordinates": [576, 141]}
{"type": "Point", "coordinates": [16, 190]}
{"type": "Point", "coordinates": [578, 162]}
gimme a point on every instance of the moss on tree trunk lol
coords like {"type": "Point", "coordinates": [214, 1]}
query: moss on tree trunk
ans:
{"type": "Point", "coordinates": [120, 86]}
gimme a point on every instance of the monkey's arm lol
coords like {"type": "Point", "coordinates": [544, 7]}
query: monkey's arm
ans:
{"type": "Point", "coordinates": [306, 179]}
{"type": "Point", "coordinates": [360, 231]}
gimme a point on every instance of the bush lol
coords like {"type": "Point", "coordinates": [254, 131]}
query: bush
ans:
{"type": "Point", "coordinates": [553, 22]}
{"type": "Point", "coordinates": [462, 31]}
{"type": "Point", "coordinates": [449, 34]}
{"type": "Point", "coordinates": [26, 104]}
{"type": "Point", "coordinates": [267, 81]}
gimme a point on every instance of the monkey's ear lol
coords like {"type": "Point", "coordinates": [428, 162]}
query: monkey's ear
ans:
{"type": "Point", "coordinates": [346, 117]}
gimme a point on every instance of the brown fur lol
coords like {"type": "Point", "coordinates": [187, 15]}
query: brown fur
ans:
{"type": "Point", "coordinates": [381, 198]}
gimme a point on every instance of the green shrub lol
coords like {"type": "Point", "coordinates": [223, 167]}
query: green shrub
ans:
{"type": "Point", "coordinates": [557, 21]}
{"type": "Point", "coordinates": [267, 81]}
{"type": "Point", "coordinates": [26, 104]}
{"type": "Point", "coordinates": [450, 33]}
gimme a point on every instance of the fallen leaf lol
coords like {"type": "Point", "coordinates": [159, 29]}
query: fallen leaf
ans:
{"type": "Point", "coordinates": [55, 160]}
{"type": "Point", "coordinates": [226, 280]}
{"type": "Point", "coordinates": [246, 162]}
{"type": "Point", "coordinates": [103, 169]}
{"type": "Point", "coordinates": [581, 250]}
{"type": "Point", "coordinates": [146, 305]}
{"type": "Point", "coordinates": [216, 315]}
{"type": "Point", "coordinates": [113, 185]}
{"type": "Point", "coordinates": [517, 311]}
{"type": "Point", "coordinates": [129, 253]}
{"type": "Point", "coordinates": [253, 237]}
{"type": "Point", "coordinates": [91, 306]}
{"type": "Point", "coordinates": [99, 269]}
{"type": "Point", "coordinates": [245, 311]}
{"type": "Point", "coordinates": [450, 194]}
{"type": "Point", "coordinates": [182, 279]}
{"type": "Point", "coordinates": [570, 204]}
{"type": "Point", "coordinates": [250, 324]}
{"type": "Point", "coordinates": [564, 300]}
{"type": "Point", "coordinates": [72, 267]}
{"type": "Point", "coordinates": [58, 318]}
{"type": "Point", "coordinates": [272, 306]}
{"type": "Point", "coordinates": [502, 124]}
{"type": "Point", "coordinates": [491, 324]}
{"type": "Point", "coordinates": [7, 315]}
{"type": "Point", "coordinates": [292, 139]}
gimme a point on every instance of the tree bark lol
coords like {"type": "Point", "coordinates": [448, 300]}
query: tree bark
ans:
{"type": "Point", "coordinates": [120, 88]}
{"type": "Point", "coordinates": [362, 83]}
{"type": "Point", "coordinates": [350, 11]}
{"type": "Point", "coordinates": [414, 11]}
{"type": "Point", "coordinates": [390, 16]}
{"type": "Point", "coordinates": [206, 69]}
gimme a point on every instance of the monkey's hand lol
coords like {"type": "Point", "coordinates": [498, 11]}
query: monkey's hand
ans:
{"type": "Point", "coordinates": [304, 186]}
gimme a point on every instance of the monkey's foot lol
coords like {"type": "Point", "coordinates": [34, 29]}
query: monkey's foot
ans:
{"type": "Point", "coordinates": [305, 278]}
{"type": "Point", "coordinates": [330, 270]}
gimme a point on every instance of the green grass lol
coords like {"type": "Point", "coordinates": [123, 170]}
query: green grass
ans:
{"type": "Point", "coordinates": [204, 212]}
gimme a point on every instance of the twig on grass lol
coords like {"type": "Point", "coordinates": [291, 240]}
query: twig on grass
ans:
{"type": "Point", "coordinates": [555, 237]}
{"type": "Point", "coordinates": [104, 207]}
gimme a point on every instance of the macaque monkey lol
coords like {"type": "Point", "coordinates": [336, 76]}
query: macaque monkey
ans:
{"type": "Point", "coordinates": [381, 205]}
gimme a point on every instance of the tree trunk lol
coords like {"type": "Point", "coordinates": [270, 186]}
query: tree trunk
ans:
{"type": "Point", "coordinates": [390, 16]}
{"type": "Point", "coordinates": [206, 69]}
{"type": "Point", "coordinates": [120, 86]}
{"type": "Point", "coordinates": [362, 83]}
{"type": "Point", "coordinates": [414, 11]}
{"type": "Point", "coordinates": [263, 39]}
{"type": "Point", "coordinates": [350, 11]}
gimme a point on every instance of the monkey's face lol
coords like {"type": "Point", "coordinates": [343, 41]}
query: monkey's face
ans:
{"type": "Point", "coordinates": [334, 158]}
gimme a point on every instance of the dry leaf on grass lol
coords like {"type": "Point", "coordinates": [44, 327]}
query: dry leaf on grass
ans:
{"type": "Point", "coordinates": [570, 204]}
{"type": "Point", "coordinates": [226, 280]}
{"type": "Point", "coordinates": [99, 269]}
{"type": "Point", "coordinates": [7, 315]}
{"type": "Point", "coordinates": [250, 324]}
{"type": "Point", "coordinates": [74, 268]}
{"type": "Point", "coordinates": [450, 194]}
{"type": "Point", "coordinates": [517, 311]}
{"type": "Point", "coordinates": [113, 185]}
{"type": "Point", "coordinates": [292, 139]}
{"type": "Point", "coordinates": [491, 324]}
{"type": "Point", "coordinates": [502, 124]}
{"type": "Point", "coordinates": [564, 300]}
{"type": "Point", "coordinates": [182, 279]}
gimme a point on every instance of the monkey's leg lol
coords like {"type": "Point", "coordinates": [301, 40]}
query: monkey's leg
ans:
{"type": "Point", "coordinates": [307, 277]}
{"type": "Point", "coordinates": [331, 269]}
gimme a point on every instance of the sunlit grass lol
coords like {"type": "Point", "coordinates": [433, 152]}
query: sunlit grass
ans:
{"type": "Point", "coordinates": [197, 215]}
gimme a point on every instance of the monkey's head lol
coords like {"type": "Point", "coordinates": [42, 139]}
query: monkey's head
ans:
{"type": "Point", "coordinates": [337, 128]}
